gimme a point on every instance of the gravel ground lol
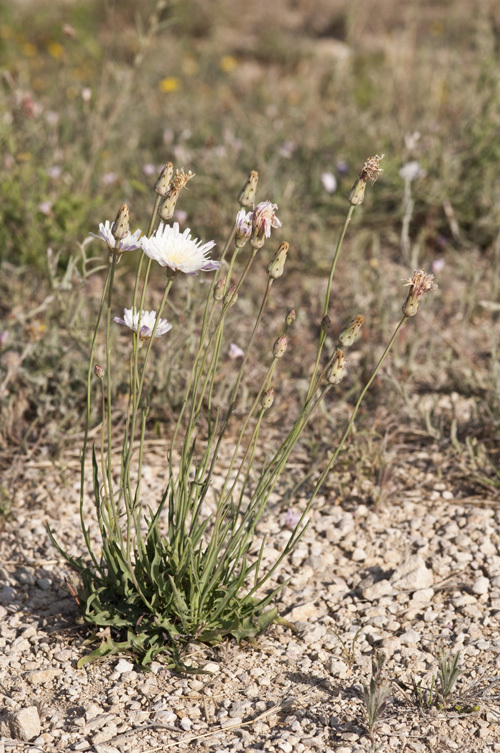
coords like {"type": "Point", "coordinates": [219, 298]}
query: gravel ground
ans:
{"type": "Point", "coordinates": [418, 577]}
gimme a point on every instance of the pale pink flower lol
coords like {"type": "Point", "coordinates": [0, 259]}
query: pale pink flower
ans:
{"type": "Point", "coordinates": [263, 219]}
{"type": "Point", "coordinates": [235, 352]}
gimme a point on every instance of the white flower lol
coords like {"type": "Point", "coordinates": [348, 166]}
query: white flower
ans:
{"type": "Point", "coordinates": [412, 170]}
{"type": "Point", "coordinates": [148, 319]}
{"type": "Point", "coordinates": [329, 182]}
{"type": "Point", "coordinates": [130, 243]}
{"type": "Point", "coordinates": [235, 352]}
{"type": "Point", "coordinates": [179, 251]}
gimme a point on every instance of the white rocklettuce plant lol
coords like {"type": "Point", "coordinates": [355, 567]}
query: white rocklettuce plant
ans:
{"type": "Point", "coordinates": [198, 576]}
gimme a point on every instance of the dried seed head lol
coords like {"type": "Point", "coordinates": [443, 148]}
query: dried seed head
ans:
{"type": "Point", "coordinates": [162, 185]}
{"type": "Point", "coordinates": [350, 334]}
{"type": "Point", "coordinates": [336, 373]}
{"type": "Point", "coordinates": [181, 178]}
{"type": "Point", "coordinates": [326, 324]}
{"type": "Point", "coordinates": [231, 296]}
{"type": "Point", "coordinates": [280, 346]}
{"type": "Point", "coordinates": [420, 284]}
{"type": "Point", "coordinates": [290, 318]}
{"type": "Point", "coordinates": [246, 197]}
{"type": "Point", "coordinates": [267, 399]}
{"type": "Point", "coordinates": [121, 225]}
{"type": "Point", "coordinates": [219, 289]}
{"type": "Point", "coordinates": [99, 371]}
{"type": "Point", "coordinates": [371, 170]}
{"type": "Point", "coordinates": [276, 267]}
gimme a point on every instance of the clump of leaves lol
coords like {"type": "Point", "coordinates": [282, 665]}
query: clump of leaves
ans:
{"type": "Point", "coordinates": [441, 685]}
{"type": "Point", "coordinates": [375, 693]}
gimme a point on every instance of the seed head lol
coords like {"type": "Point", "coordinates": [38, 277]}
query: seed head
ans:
{"type": "Point", "coordinates": [246, 197]}
{"type": "Point", "coordinates": [350, 334]}
{"type": "Point", "coordinates": [371, 170]}
{"type": "Point", "coordinates": [420, 284]}
{"type": "Point", "coordinates": [276, 267]}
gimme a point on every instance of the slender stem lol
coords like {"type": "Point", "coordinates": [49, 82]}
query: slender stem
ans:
{"type": "Point", "coordinates": [326, 305]}
{"type": "Point", "coordinates": [355, 411]}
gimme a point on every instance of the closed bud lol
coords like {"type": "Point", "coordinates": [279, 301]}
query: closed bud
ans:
{"type": "Point", "coordinates": [350, 334]}
{"type": "Point", "coordinates": [167, 207]}
{"type": "Point", "coordinates": [120, 227]}
{"type": "Point", "coordinates": [276, 267]}
{"type": "Point", "coordinates": [246, 197]}
{"type": "Point", "coordinates": [290, 318]}
{"type": "Point", "coordinates": [336, 373]}
{"type": "Point", "coordinates": [219, 290]}
{"type": "Point", "coordinates": [99, 371]}
{"type": "Point", "coordinates": [267, 399]}
{"type": "Point", "coordinates": [231, 296]}
{"type": "Point", "coordinates": [162, 185]}
{"type": "Point", "coordinates": [280, 346]}
{"type": "Point", "coordinates": [326, 324]}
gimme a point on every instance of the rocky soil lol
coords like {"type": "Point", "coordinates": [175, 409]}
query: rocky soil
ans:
{"type": "Point", "coordinates": [411, 580]}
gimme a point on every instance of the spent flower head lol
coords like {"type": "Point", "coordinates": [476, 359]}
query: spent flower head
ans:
{"type": "Point", "coordinates": [419, 284]}
{"type": "Point", "coordinates": [178, 251]}
{"type": "Point", "coordinates": [263, 219]}
{"type": "Point", "coordinates": [370, 172]}
{"type": "Point", "coordinates": [146, 321]}
{"type": "Point", "coordinates": [243, 228]}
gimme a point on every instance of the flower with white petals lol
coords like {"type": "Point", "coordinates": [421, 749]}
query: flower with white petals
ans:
{"type": "Point", "coordinates": [130, 242]}
{"type": "Point", "coordinates": [178, 251]}
{"type": "Point", "coordinates": [147, 323]}
{"type": "Point", "coordinates": [329, 182]}
{"type": "Point", "coordinates": [263, 219]}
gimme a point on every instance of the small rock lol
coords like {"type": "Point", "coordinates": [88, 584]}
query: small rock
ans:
{"type": "Point", "coordinates": [186, 723]}
{"type": "Point", "coordinates": [7, 595]}
{"type": "Point", "coordinates": [303, 612]}
{"type": "Point", "coordinates": [412, 575]}
{"type": "Point", "coordinates": [358, 554]}
{"type": "Point", "coordinates": [377, 590]}
{"type": "Point", "coordinates": [25, 724]}
{"type": "Point", "coordinates": [410, 636]}
{"type": "Point", "coordinates": [212, 668]}
{"type": "Point", "coordinates": [40, 676]}
{"type": "Point", "coordinates": [124, 666]}
{"type": "Point", "coordinates": [44, 584]}
{"type": "Point", "coordinates": [481, 585]}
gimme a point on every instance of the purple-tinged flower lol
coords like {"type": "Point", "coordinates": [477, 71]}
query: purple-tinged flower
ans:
{"type": "Point", "coordinates": [291, 519]}
{"type": "Point", "coordinates": [130, 242]}
{"type": "Point", "coordinates": [146, 321]}
{"type": "Point", "coordinates": [235, 352]}
{"type": "Point", "coordinates": [437, 265]}
{"type": "Point", "coordinates": [263, 219]}
{"type": "Point", "coordinates": [243, 228]}
{"type": "Point", "coordinates": [178, 251]}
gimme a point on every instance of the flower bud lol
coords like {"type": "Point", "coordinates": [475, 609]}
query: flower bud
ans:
{"type": "Point", "coordinates": [167, 207]}
{"type": "Point", "coordinates": [290, 318]}
{"type": "Point", "coordinates": [246, 197]}
{"type": "Point", "coordinates": [350, 334]}
{"type": "Point", "coordinates": [267, 399]}
{"type": "Point", "coordinates": [219, 290]}
{"type": "Point", "coordinates": [231, 296]}
{"type": "Point", "coordinates": [276, 267]}
{"type": "Point", "coordinates": [162, 185]}
{"type": "Point", "coordinates": [243, 228]}
{"type": "Point", "coordinates": [326, 324]}
{"type": "Point", "coordinates": [99, 371]}
{"type": "Point", "coordinates": [280, 346]}
{"type": "Point", "coordinates": [120, 227]}
{"type": "Point", "coordinates": [336, 373]}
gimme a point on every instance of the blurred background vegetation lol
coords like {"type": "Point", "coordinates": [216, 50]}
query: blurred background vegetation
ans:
{"type": "Point", "coordinates": [97, 95]}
